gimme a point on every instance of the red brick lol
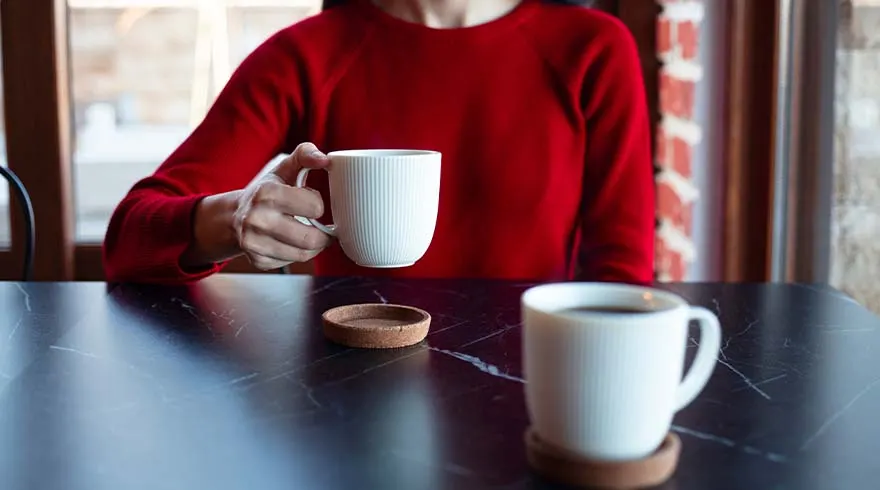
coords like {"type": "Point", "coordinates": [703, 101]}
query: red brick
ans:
{"type": "Point", "coordinates": [671, 208]}
{"type": "Point", "coordinates": [668, 202]}
{"type": "Point", "coordinates": [677, 268]}
{"type": "Point", "coordinates": [661, 255]}
{"type": "Point", "coordinates": [687, 99]}
{"type": "Point", "coordinates": [682, 157]}
{"type": "Point", "coordinates": [664, 35]}
{"type": "Point", "coordinates": [668, 262]}
{"type": "Point", "coordinates": [667, 88]}
{"type": "Point", "coordinates": [686, 221]}
{"type": "Point", "coordinates": [677, 97]}
{"type": "Point", "coordinates": [661, 148]}
{"type": "Point", "coordinates": [688, 37]}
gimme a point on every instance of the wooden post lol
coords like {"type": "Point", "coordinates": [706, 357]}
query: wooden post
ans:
{"type": "Point", "coordinates": [38, 130]}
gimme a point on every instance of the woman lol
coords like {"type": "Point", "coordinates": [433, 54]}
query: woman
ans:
{"type": "Point", "coordinates": [537, 106]}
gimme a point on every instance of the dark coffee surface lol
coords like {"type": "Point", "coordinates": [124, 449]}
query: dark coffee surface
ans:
{"type": "Point", "coordinates": [620, 310]}
{"type": "Point", "coordinates": [231, 384]}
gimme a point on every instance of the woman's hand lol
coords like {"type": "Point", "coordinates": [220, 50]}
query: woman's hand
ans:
{"type": "Point", "coordinates": [265, 224]}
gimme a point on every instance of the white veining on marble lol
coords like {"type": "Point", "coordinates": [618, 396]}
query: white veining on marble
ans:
{"type": "Point", "coordinates": [479, 364]}
{"type": "Point", "coordinates": [724, 347]}
{"type": "Point", "coordinates": [748, 327]}
{"type": "Point", "coordinates": [454, 325]}
{"type": "Point", "coordinates": [14, 330]}
{"type": "Point", "coordinates": [496, 333]}
{"type": "Point", "coordinates": [749, 383]}
{"type": "Point", "coordinates": [717, 306]}
{"type": "Point", "coordinates": [227, 316]}
{"type": "Point", "coordinates": [27, 297]}
{"type": "Point", "coordinates": [448, 467]}
{"type": "Point", "coordinates": [704, 436]}
{"type": "Point", "coordinates": [286, 374]}
{"type": "Point", "coordinates": [724, 441]}
{"type": "Point", "coordinates": [186, 306]}
{"type": "Point", "coordinates": [381, 298]}
{"type": "Point", "coordinates": [837, 294]}
{"type": "Point", "coordinates": [759, 383]}
{"type": "Point", "coordinates": [242, 379]}
{"type": "Point", "coordinates": [745, 378]}
{"type": "Point", "coordinates": [242, 327]}
{"type": "Point", "coordinates": [73, 351]}
{"type": "Point", "coordinates": [378, 366]}
{"type": "Point", "coordinates": [840, 413]}
{"type": "Point", "coordinates": [321, 289]}
{"type": "Point", "coordinates": [310, 393]}
{"type": "Point", "coordinates": [848, 330]}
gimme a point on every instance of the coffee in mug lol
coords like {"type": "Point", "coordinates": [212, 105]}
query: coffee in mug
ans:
{"type": "Point", "coordinates": [603, 366]}
{"type": "Point", "coordinates": [384, 204]}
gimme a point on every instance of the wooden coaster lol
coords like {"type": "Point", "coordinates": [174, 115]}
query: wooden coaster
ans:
{"type": "Point", "coordinates": [376, 326]}
{"type": "Point", "coordinates": [559, 466]}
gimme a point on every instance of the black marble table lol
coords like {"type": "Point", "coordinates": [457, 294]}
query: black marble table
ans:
{"type": "Point", "coordinates": [230, 385]}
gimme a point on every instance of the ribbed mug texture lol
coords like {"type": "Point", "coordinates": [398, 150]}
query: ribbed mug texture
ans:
{"type": "Point", "coordinates": [385, 204]}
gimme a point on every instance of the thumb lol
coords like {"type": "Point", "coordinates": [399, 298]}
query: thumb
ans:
{"type": "Point", "coordinates": [306, 155]}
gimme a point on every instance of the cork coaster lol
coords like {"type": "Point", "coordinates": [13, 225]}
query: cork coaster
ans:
{"type": "Point", "coordinates": [564, 468]}
{"type": "Point", "coordinates": [376, 326]}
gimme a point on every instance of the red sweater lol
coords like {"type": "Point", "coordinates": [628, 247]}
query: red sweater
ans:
{"type": "Point", "coordinates": [540, 115]}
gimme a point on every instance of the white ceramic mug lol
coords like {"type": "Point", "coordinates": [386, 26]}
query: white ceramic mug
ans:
{"type": "Point", "coordinates": [384, 204]}
{"type": "Point", "coordinates": [603, 365]}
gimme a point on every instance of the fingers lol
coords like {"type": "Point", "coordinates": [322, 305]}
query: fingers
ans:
{"type": "Point", "coordinates": [266, 263]}
{"type": "Point", "coordinates": [286, 231]}
{"type": "Point", "coordinates": [273, 242]}
{"type": "Point", "coordinates": [269, 234]}
{"type": "Point", "coordinates": [293, 201]}
{"type": "Point", "coordinates": [267, 231]}
{"type": "Point", "coordinates": [306, 155]}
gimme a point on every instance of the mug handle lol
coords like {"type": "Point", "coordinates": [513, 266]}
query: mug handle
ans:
{"type": "Point", "coordinates": [301, 183]}
{"type": "Point", "coordinates": [707, 356]}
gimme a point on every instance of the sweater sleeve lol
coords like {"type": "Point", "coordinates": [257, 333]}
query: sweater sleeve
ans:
{"type": "Point", "coordinates": [618, 216]}
{"type": "Point", "coordinates": [253, 117]}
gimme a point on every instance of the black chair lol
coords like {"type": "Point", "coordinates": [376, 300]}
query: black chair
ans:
{"type": "Point", "coordinates": [27, 209]}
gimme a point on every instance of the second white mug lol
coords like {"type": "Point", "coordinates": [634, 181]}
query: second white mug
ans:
{"type": "Point", "coordinates": [603, 365]}
{"type": "Point", "coordinates": [384, 204]}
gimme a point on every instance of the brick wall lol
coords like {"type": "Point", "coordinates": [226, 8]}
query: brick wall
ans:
{"type": "Point", "coordinates": [678, 30]}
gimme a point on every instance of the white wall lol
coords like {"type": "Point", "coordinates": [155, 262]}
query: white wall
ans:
{"type": "Point", "coordinates": [708, 155]}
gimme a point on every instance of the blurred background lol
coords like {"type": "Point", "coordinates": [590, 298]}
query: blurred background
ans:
{"type": "Point", "coordinates": [766, 114]}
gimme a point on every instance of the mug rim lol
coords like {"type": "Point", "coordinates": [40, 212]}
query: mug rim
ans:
{"type": "Point", "coordinates": [531, 298]}
{"type": "Point", "coordinates": [382, 152]}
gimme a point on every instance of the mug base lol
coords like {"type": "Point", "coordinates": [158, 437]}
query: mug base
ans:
{"type": "Point", "coordinates": [387, 266]}
{"type": "Point", "coordinates": [562, 467]}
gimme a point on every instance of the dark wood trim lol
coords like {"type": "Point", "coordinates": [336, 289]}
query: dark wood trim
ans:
{"type": "Point", "coordinates": [748, 143]}
{"type": "Point", "coordinates": [808, 186]}
{"type": "Point", "coordinates": [10, 265]}
{"type": "Point", "coordinates": [38, 133]}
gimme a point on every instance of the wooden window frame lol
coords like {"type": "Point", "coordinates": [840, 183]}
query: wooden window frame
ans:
{"type": "Point", "coordinates": [38, 130]}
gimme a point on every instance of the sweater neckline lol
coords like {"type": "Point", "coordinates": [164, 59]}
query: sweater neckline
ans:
{"type": "Point", "coordinates": [509, 20]}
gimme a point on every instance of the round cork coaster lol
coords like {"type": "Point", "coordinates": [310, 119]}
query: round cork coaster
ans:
{"type": "Point", "coordinates": [376, 326]}
{"type": "Point", "coordinates": [564, 468]}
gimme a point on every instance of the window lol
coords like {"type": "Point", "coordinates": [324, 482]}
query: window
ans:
{"type": "Point", "coordinates": [855, 231]}
{"type": "Point", "coordinates": [143, 74]}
